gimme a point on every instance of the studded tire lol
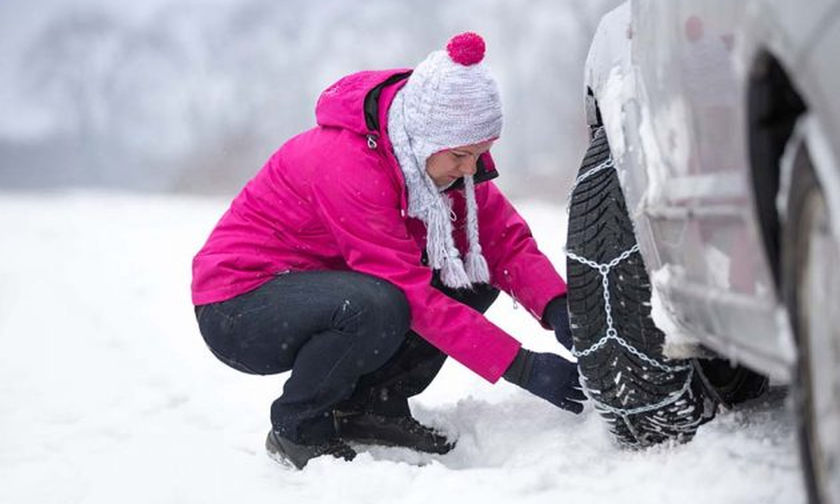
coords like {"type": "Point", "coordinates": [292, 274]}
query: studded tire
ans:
{"type": "Point", "coordinates": [643, 403]}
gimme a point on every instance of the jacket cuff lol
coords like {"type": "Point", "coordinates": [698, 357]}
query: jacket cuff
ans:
{"type": "Point", "coordinates": [518, 371]}
{"type": "Point", "coordinates": [553, 310]}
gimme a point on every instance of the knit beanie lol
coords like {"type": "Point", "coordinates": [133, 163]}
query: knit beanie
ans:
{"type": "Point", "coordinates": [450, 100]}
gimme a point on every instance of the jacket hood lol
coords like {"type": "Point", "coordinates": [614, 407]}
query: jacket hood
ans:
{"type": "Point", "coordinates": [353, 103]}
{"type": "Point", "coordinates": [343, 104]}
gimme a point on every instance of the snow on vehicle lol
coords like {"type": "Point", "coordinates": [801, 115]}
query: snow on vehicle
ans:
{"type": "Point", "coordinates": [704, 227]}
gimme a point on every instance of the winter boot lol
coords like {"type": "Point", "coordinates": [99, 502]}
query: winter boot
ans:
{"type": "Point", "coordinates": [401, 431]}
{"type": "Point", "coordinates": [288, 452]}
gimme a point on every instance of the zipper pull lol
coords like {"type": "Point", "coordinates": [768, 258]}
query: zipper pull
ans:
{"type": "Point", "coordinates": [510, 286]}
{"type": "Point", "coordinates": [372, 141]}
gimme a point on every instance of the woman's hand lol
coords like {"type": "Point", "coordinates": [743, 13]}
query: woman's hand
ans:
{"type": "Point", "coordinates": [556, 315]}
{"type": "Point", "coordinates": [548, 376]}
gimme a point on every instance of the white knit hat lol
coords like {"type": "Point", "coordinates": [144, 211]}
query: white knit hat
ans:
{"type": "Point", "coordinates": [450, 100]}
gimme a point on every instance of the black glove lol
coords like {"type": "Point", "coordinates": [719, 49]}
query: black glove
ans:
{"type": "Point", "coordinates": [556, 315]}
{"type": "Point", "coordinates": [548, 376]}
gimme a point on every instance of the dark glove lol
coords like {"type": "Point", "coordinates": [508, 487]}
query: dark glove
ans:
{"type": "Point", "coordinates": [556, 315]}
{"type": "Point", "coordinates": [548, 376]}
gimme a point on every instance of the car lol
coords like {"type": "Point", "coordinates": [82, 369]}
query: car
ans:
{"type": "Point", "coordinates": [703, 251]}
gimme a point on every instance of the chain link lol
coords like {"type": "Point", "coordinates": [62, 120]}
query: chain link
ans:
{"type": "Point", "coordinates": [612, 333]}
{"type": "Point", "coordinates": [603, 166]}
{"type": "Point", "coordinates": [676, 396]}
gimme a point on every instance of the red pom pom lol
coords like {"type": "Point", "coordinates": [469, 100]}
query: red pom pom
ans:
{"type": "Point", "coordinates": [466, 48]}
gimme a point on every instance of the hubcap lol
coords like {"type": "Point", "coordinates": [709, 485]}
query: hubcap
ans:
{"type": "Point", "coordinates": [820, 319]}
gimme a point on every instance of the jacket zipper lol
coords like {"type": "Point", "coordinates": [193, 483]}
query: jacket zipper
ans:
{"type": "Point", "coordinates": [510, 286]}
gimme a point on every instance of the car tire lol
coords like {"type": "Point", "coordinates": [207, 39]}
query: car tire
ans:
{"type": "Point", "coordinates": [644, 397]}
{"type": "Point", "coordinates": [730, 384]}
{"type": "Point", "coordinates": [816, 326]}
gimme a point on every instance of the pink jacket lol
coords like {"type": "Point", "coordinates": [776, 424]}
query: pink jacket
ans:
{"type": "Point", "coordinates": [329, 200]}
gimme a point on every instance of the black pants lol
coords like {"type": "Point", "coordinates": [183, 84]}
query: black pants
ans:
{"type": "Point", "coordinates": [344, 335]}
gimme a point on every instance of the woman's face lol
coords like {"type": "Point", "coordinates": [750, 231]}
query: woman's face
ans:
{"type": "Point", "coordinates": [447, 166]}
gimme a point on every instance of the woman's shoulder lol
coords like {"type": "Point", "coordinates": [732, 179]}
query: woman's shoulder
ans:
{"type": "Point", "coordinates": [327, 146]}
{"type": "Point", "coordinates": [336, 159]}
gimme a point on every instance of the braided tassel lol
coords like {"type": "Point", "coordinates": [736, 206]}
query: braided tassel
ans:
{"type": "Point", "coordinates": [476, 266]}
{"type": "Point", "coordinates": [440, 246]}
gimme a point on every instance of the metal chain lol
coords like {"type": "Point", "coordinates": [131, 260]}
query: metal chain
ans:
{"type": "Point", "coordinates": [612, 332]}
{"type": "Point", "coordinates": [676, 396]}
{"type": "Point", "coordinates": [603, 166]}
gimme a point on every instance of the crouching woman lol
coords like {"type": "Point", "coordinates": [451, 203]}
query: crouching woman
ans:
{"type": "Point", "coordinates": [366, 251]}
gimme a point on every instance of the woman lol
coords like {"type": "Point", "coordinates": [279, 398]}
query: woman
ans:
{"type": "Point", "coordinates": [341, 260]}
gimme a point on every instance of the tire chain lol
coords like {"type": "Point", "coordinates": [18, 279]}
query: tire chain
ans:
{"type": "Point", "coordinates": [612, 332]}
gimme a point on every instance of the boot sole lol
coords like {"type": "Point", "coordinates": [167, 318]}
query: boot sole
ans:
{"type": "Point", "coordinates": [388, 444]}
{"type": "Point", "coordinates": [277, 454]}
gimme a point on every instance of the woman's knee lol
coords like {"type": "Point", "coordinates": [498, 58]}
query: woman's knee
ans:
{"type": "Point", "coordinates": [377, 304]}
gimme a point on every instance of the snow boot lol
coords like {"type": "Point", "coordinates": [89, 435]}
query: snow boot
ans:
{"type": "Point", "coordinates": [398, 431]}
{"type": "Point", "coordinates": [288, 452]}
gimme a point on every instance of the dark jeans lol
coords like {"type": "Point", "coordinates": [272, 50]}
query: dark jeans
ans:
{"type": "Point", "coordinates": [344, 335]}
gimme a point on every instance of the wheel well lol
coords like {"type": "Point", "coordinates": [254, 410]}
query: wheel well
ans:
{"type": "Point", "coordinates": [593, 111]}
{"type": "Point", "coordinates": [773, 106]}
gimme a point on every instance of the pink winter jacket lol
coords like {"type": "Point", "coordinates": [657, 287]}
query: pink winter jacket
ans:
{"type": "Point", "coordinates": [330, 200]}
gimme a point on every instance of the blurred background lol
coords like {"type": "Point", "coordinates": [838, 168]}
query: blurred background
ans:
{"type": "Point", "coordinates": [125, 130]}
{"type": "Point", "coordinates": [188, 96]}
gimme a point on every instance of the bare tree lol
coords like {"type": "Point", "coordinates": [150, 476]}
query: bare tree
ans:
{"type": "Point", "coordinates": [67, 66]}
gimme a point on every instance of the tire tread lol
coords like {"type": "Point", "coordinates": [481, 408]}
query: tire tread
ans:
{"type": "Point", "coordinates": [600, 230]}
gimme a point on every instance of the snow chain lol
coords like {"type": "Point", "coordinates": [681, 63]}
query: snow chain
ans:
{"type": "Point", "coordinates": [612, 332]}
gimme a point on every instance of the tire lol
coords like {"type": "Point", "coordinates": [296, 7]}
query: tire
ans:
{"type": "Point", "coordinates": [808, 266]}
{"type": "Point", "coordinates": [644, 400]}
{"type": "Point", "coordinates": [730, 384]}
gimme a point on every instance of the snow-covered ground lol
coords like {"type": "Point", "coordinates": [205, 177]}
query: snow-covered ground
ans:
{"type": "Point", "coordinates": [108, 395]}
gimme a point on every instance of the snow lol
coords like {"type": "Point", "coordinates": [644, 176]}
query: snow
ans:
{"type": "Point", "coordinates": [679, 344]}
{"type": "Point", "coordinates": [107, 393]}
{"type": "Point", "coordinates": [609, 52]}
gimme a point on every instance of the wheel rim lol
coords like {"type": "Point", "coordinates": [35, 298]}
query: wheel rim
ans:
{"type": "Point", "coordinates": [820, 323]}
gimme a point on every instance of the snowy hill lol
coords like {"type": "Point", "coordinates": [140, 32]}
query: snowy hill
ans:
{"type": "Point", "coordinates": [108, 395]}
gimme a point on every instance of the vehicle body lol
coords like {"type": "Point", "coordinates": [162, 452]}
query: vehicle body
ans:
{"type": "Point", "coordinates": [710, 107]}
